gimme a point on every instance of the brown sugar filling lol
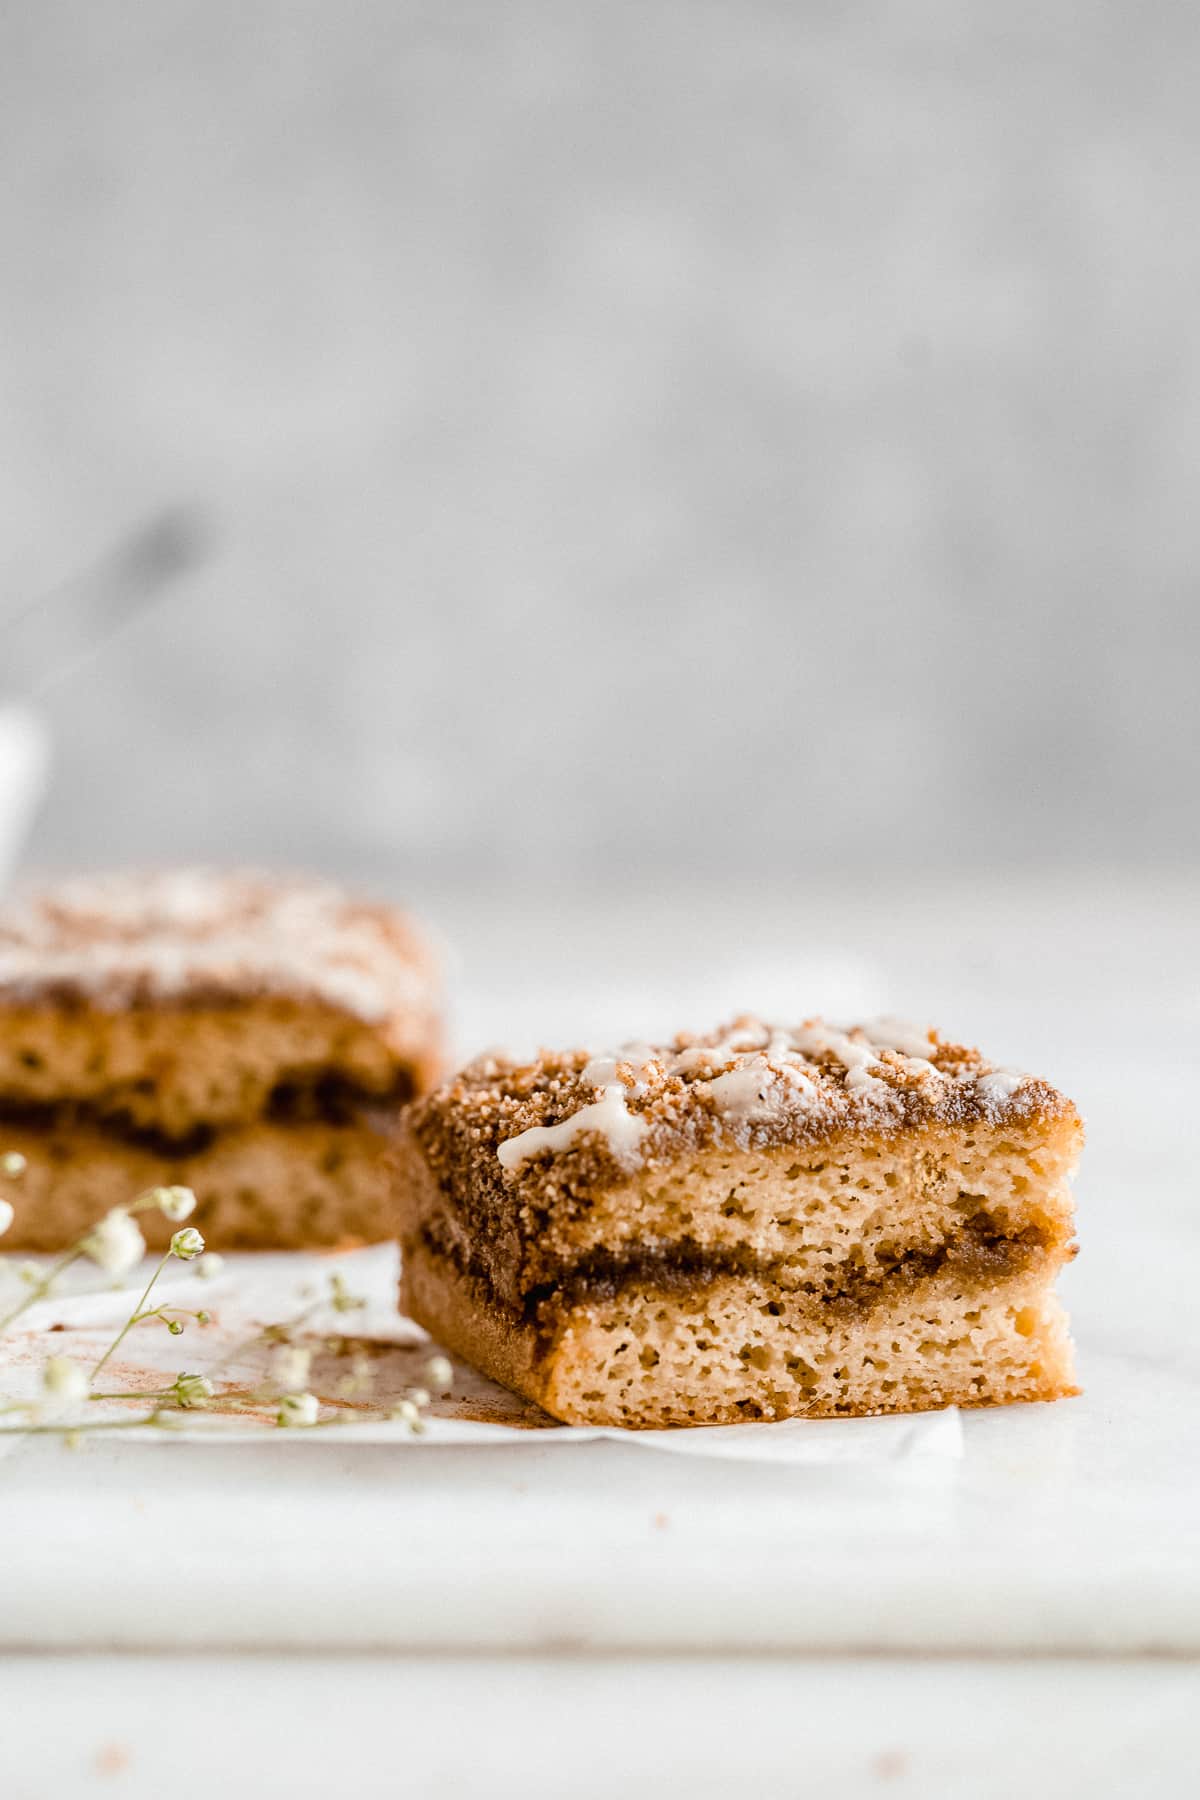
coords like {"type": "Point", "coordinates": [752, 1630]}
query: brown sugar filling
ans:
{"type": "Point", "coordinates": [321, 1099]}
{"type": "Point", "coordinates": [979, 1255]}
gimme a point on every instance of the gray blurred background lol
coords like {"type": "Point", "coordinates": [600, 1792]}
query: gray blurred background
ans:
{"type": "Point", "coordinates": [631, 438]}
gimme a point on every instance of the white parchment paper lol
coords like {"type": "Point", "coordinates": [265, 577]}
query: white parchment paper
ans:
{"type": "Point", "coordinates": [364, 1360]}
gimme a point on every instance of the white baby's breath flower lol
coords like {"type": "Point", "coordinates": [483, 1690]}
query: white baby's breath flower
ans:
{"type": "Point", "coordinates": [13, 1165]}
{"type": "Point", "coordinates": [419, 1396]}
{"type": "Point", "coordinates": [115, 1243]}
{"type": "Point", "coordinates": [187, 1243]}
{"type": "Point", "coordinates": [64, 1378]}
{"type": "Point", "coordinates": [174, 1203]}
{"type": "Point", "coordinates": [64, 1387]}
{"type": "Point", "coordinates": [359, 1380]}
{"type": "Point", "coordinates": [405, 1412]}
{"type": "Point", "coordinates": [6, 1216]}
{"type": "Point", "coordinates": [298, 1409]}
{"type": "Point", "coordinates": [289, 1368]}
{"type": "Point", "coordinates": [192, 1390]}
{"type": "Point", "coordinates": [210, 1265]}
{"type": "Point", "coordinates": [439, 1372]}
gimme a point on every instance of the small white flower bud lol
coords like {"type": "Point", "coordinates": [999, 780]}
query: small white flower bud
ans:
{"type": "Point", "coordinates": [419, 1396]}
{"type": "Point", "coordinates": [187, 1243]}
{"type": "Point", "coordinates": [193, 1390]}
{"type": "Point", "coordinates": [13, 1165]}
{"type": "Point", "coordinates": [439, 1372]}
{"type": "Point", "coordinates": [64, 1386]}
{"type": "Point", "coordinates": [6, 1216]}
{"type": "Point", "coordinates": [115, 1243]}
{"type": "Point", "coordinates": [289, 1368]}
{"type": "Point", "coordinates": [405, 1413]}
{"type": "Point", "coordinates": [360, 1380]}
{"type": "Point", "coordinates": [210, 1265]}
{"type": "Point", "coordinates": [64, 1378]}
{"type": "Point", "coordinates": [174, 1203]}
{"type": "Point", "coordinates": [298, 1409]}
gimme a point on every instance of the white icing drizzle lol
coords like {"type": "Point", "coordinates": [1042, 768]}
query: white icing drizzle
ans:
{"type": "Point", "coordinates": [609, 1117]}
{"type": "Point", "coordinates": [1000, 1084]}
{"type": "Point", "coordinates": [857, 1059]}
{"type": "Point", "coordinates": [757, 1059]}
{"type": "Point", "coordinates": [859, 1080]}
{"type": "Point", "coordinates": [898, 1034]}
{"type": "Point", "coordinates": [744, 1092]}
{"type": "Point", "coordinates": [761, 1074]}
{"type": "Point", "coordinates": [699, 1056]}
{"type": "Point", "coordinates": [799, 1077]}
{"type": "Point", "coordinates": [761, 1057]}
{"type": "Point", "coordinates": [600, 1071]}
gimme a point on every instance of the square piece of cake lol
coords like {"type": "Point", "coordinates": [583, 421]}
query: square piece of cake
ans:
{"type": "Point", "coordinates": [250, 1036]}
{"type": "Point", "coordinates": [757, 1224]}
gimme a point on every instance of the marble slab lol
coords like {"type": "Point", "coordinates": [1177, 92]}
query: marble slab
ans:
{"type": "Point", "coordinates": [1067, 1529]}
{"type": "Point", "coordinates": [541, 1728]}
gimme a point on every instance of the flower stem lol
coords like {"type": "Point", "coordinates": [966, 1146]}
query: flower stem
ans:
{"type": "Point", "coordinates": [265, 1335]}
{"type": "Point", "coordinates": [133, 1318]}
{"type": "Point", "coordinates": [65, 1430]}
{"type": "Point", "coordinates": [41, 1288]}
{"type": "Point", "coordinates": [136, 1394]}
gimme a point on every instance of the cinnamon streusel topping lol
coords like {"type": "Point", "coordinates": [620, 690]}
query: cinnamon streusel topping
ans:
{"type": "Point", "coordinates": [198, 936]}
{"type": "Point", "coordinates": [749, 1084]}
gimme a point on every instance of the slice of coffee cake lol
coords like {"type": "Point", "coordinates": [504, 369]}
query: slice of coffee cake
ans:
{"type": "Point", "coordinates": [249, 1036]}
{"type": "Point", "coordinates": [758, 1224]}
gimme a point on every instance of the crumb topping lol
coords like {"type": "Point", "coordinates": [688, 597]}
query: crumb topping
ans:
{"type": "Point", "coordinates": [192, 935]}
{"type": "Point", "coordinates": [749, 1084]}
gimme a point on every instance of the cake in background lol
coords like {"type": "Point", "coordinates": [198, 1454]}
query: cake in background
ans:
{"type": "Point", "coordinates": [251, 1036]}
